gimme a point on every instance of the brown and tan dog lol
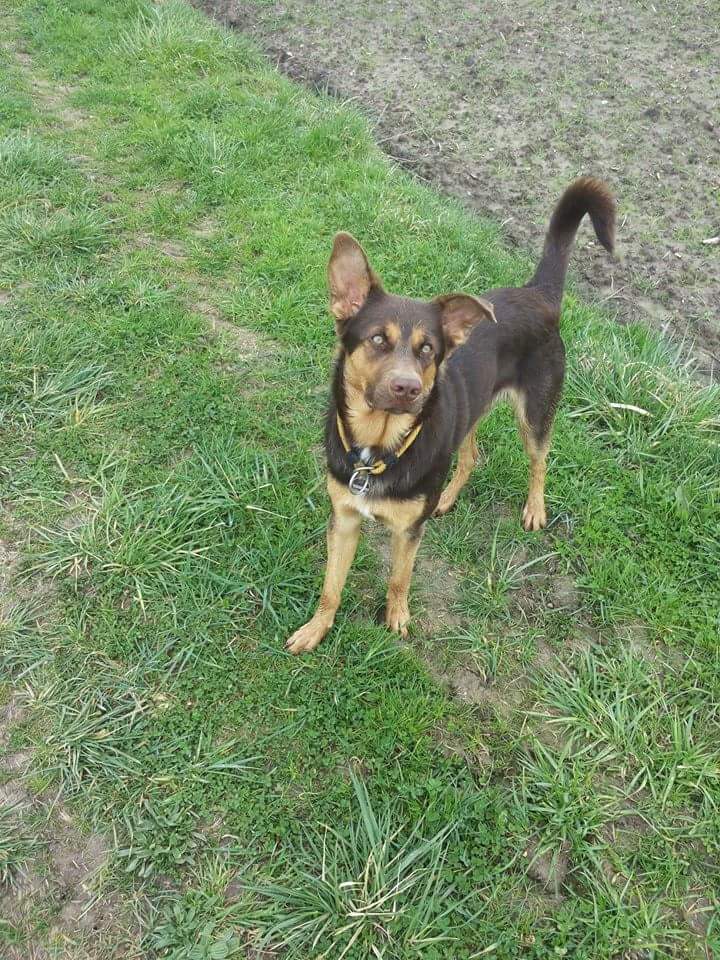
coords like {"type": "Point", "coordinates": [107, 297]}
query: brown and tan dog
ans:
{"type": "Point", "coordinates": [412, 380]}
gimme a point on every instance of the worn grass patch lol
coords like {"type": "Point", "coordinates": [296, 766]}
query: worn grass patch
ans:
{"type": "Point", "coordinates": [166, 501]}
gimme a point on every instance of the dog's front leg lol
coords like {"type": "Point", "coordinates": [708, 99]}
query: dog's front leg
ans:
{"type": "Point", "coordinates": [405, 545]}
{"type": "Point", "coordinates": [467, 459]}
{"type": "Point", "coordinates": [342, 539]}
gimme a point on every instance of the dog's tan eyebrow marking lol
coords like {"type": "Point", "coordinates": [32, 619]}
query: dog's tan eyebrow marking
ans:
{"type": "Point", "coordinates": [418, 337]}
{"type": "Point", "coordinates": [392, 332]}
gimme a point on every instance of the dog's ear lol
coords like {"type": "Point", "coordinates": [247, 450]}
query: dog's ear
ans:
{"type": "Point", "coordinates": [460, 312]}
{"type": "Point", "coordinates": [350, 278]}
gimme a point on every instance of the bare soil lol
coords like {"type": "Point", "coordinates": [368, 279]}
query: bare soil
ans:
{"type": "Point", "coordinates": [501, 104]}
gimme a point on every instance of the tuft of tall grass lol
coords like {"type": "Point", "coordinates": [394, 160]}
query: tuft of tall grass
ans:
{"type": "Point", "coordinates": [35, 162]}
{"type": "Point", "coordinates": [372, 887]}
{"type": "Point", "coordinates": [32, 232]}
{"type": "Point", "coordinates": [173, 38]}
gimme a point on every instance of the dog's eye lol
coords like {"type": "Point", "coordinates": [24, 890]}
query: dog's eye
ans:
{"type": "Point", "coordinates": [426, 348]}
{"type": "Point", "coordinates": [378, 339]}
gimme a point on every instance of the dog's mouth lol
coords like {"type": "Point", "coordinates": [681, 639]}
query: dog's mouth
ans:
{"type": "Point", "coordinates": [397, 405]}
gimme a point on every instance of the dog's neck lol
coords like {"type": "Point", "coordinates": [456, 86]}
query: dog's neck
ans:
{"type": "Point", "coordinates": [369, 427]}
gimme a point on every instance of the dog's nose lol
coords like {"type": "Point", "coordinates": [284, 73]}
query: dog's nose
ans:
{"type": "Point", "coordinates": [406, 388]}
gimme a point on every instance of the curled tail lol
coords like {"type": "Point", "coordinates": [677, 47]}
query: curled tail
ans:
{"type": "Point", "coordinates": [585, 195]}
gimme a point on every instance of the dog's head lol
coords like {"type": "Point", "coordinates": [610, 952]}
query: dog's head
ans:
{"type": "Point", "coordinates": [393, 346]}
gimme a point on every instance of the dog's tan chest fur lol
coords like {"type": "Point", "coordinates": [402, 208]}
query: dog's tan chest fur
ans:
{"type": "Point", "coordinates": [395, 514]}
{"type": "Point", "coordinates": [374, 428]}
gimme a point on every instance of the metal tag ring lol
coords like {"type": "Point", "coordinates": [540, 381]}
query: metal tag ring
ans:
{"type": "Point", "coordinates": [359, 483]}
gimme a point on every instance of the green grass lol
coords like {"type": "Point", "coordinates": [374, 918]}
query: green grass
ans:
{"type": "Point", "coordinates": [164, 482]}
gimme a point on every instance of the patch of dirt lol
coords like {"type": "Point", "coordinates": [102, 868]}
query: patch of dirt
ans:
{"type": "Point", "coordinates": [8, 561]}
{"type": "Point", "coordinates": [146, 240]}
{"type": "Point", "coordinates": [698, 912]}
{"type": "Point", "coordinates": [543, 594]}
{"type": "Point", "coordinates": [171, 249]}
{"type": "Point", "coordinates": [81, 508]}
{"type": "Point", "coordinates": [475, 754]}
{"type": "Point", "coordinates": [471, 687]}
{"type": "Point", "coordinates": [53, 95]}
{"type": "Point", "coordinates": [623, 833]}
{"type": "Point", "coordinates": [550, 868]}
{"type": "Point", "coordinates": [12, 713]}
{"type": "Point", "coordinates": [565, 594]}
{"type": "Point", "coordinates": [245, 344]}
{"type": "Point", "coordinates": [435, 585]}
{"type": "Point", "coordinates": [501, 105]}
{"type": "Point", "coordinates": [169, 189]}
{"type": "Point", "coordinates": [205, 228]}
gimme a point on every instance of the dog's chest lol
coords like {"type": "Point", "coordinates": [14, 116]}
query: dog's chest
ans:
{"type": "Point", "coordinates": [395, 514]}
{"type": "Point", "coordinates": [366, 507]}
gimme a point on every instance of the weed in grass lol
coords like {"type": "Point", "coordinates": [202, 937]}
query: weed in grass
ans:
{"type": "Point", "coordinates": [620, 915]}
{"type": "Point", "coordinates": [68, 394]}
{"type": "Point", "coordinates": [635, 407]}
{"type": "Point", "coordinates": [196, 925]}
{"type": "Point", "coordinates": [143, 543]}
{"type": "Point", "coordinates": [29, 161]}
{"type": "Point", "coordinates": [505, 571]}
{"type": "Point", "coordinates": [212, 161]}
{"type": "Point", "coordinates": [19, 653]}
{"type": "Point", "coordinates": [176, 39]}
{"type": "Point", "coordinates": [162, 838]}
{"type": "Point", "coordinates": [117, 291]}
{"type": "Point", "coordinates": [486, 652]}
{"type": "Point", "coordinates": [97, 730]}
{"type": "Point", "coordinates": [207, 101]}
{"type": "Point", "coordinates": [614, 700]}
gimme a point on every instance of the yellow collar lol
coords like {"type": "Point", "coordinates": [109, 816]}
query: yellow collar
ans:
{"type": "Point", "coordinates": [377, 466]}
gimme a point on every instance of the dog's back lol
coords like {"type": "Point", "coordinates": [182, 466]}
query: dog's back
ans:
{"type": "Point", "coordinates": [528, 317]}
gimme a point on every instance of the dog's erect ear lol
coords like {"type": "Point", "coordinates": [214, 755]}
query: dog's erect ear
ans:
{"type": "Point", "coordinates": [350, 278]}
{"type": "Point", "coordinates": [460, 313]}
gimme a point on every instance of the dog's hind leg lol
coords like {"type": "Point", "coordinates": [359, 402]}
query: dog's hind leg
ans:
{"type": "Point", "coordinates": [467, 458]}
{"type": "Point", "coordinates": [534, 515]}
{"type": "Point", "coordinates": [535, 425]}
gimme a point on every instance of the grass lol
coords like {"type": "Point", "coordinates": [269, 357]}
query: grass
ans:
{"type": "Point", "coordinates": [367, 884]}
{"type": "Point", "coordinates": [16, 846]}
{"type": "Point", "coordinates": [162, 480]}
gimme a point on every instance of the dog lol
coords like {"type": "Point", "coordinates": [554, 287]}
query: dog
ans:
{"type": "Point", "coordinates": [413, 378]}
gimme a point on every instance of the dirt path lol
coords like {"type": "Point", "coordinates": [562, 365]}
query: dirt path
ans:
{"type": "Point", "coordinates": [501, 104]}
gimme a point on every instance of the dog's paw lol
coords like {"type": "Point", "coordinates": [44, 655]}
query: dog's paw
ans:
{"type": "Point", "coordinates": [307, 637]}
{"type": "Point", "coordinates": [397, 618]}
{"type": "Point", "coordinates": [445, 504]}
{"type": "Point", "coordinates": [534, 516]}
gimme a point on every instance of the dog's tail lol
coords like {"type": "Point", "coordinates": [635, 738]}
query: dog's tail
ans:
{"type": "Point", "coordinates": [585, 195]}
